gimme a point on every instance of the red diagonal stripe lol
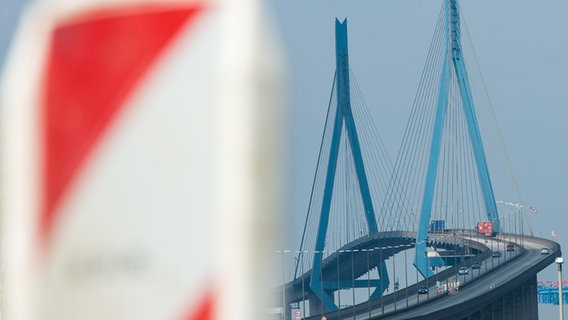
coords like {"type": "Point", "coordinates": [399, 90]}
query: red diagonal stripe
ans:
{"type": "Point", "coordinates": [94, 63]}
{"type": "Point", "coordinates": [204, 309]}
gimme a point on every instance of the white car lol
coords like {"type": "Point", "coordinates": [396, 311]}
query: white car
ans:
{"type": "Point", "coordinates": [544, 251]}
{"type": "Point", "coordinates": [463, 270]}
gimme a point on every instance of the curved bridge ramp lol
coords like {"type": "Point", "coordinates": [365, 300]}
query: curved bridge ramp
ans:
{"type": "Point", "coordinates": [505, 290]}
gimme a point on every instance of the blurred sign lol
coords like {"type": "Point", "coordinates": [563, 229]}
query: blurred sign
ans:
{"type": "Point", "coordinates": [137, 135]}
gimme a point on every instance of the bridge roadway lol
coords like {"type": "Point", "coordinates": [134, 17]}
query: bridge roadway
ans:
{"type": "Point", "coordinates": [503, 285]}
{"type": "Point", "coordinates": [361, 255]}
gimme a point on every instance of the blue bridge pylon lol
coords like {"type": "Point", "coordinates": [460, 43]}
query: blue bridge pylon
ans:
{"type": "Point", "coordinates": [453, 66]}
{"type": "Point", "coordinates": [343, 117]}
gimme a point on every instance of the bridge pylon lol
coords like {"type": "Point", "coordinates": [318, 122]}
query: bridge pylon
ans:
{"type": "Point", "coordinates": [453, 65]}
{"type": "Point", "coordinates": [322, 288]}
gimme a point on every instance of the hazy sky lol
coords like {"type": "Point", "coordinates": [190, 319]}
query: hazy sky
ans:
{"type": "Point", "coordinates": [521, 46]}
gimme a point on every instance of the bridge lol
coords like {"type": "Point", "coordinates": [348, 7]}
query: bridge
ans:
{"type": "Point", "coordinates": [502, 288]}
{"type": "Point", "coordinates": [435, 235]}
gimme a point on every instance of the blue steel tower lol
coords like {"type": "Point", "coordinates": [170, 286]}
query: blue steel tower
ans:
{"type": "Point", "coordinates": [343, 116]}
{"type": "Point", "coordinates": [453, 65]}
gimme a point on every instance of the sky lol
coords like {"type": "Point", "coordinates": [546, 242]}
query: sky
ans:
{"type": "Point", "coordinates": [521, 47]}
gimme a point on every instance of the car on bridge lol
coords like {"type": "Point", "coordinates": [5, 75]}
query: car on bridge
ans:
{"type": "Point", "coordinates": [463, 270]}
{"type": "Point", "coordinates": [476, 265]}
{"type": "Point", "coordinates": [510, 247]}
{"type": "Point", "coordinates": [496, 254]}
{"type": "Point", "coordinates": [423, 290]}
{"type": "Point", "coordinates": [544, 251]}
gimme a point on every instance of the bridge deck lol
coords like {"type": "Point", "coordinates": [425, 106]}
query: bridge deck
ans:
{"type": "Point", "coordinates": [475, 288]}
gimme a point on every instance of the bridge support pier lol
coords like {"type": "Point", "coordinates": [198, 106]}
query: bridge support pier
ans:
{"type": "Point", "coordinates": [485, 313]}
{"type": "Point", "coordinates": [497, 309]}
{"type": "Point", "coordinates": [530, 298]}
{"type": "Point", "coordinates": [519, 304]}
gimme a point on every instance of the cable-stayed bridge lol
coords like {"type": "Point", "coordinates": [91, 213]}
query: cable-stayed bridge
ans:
{"type": "Point", "coordinates": [434, 235]}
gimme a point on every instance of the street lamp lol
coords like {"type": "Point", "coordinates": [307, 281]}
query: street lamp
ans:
{"type": "Point", "coordinates": [559, 262]}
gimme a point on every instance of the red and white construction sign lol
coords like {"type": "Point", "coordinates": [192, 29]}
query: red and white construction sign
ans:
{"type": "Point", "coordinates": [136, 137]}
